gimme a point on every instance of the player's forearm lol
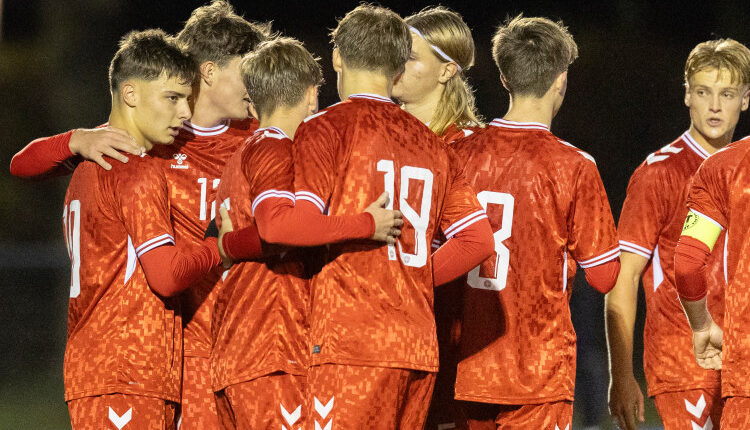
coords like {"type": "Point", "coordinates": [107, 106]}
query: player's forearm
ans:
{"type": "Point", "coordinates": [303, 225]}
{"type": "Point", "coordinates": [243, 244]}
{"type": "Point", "coordinates": [43, 157]}
{"type": "Point", "coordinates": [463, 252]}
{"type": "Point", "coordinates": [181, 268]}
{"type": "Point", "coordinates": [620, 306]}
{"type": "Point", "coordinates": [697, 314]}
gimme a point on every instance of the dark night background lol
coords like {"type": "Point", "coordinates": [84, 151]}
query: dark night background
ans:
{"type": "Point", "coordinates": [624, 100]}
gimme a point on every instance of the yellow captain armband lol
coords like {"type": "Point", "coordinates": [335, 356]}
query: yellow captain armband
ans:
{"type": "Point", "coordinates": [701, 227]}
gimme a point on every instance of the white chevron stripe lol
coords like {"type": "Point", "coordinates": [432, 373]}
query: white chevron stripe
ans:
{"type": "Point", "coordinates": [323, 410]}
{"type": "Point", "coordinates": [708, 426]}
{"type": "Point", "coordinates": [120, 420]}
{"type": "Point", "coordinates": [293, 417]}
{"type": "Point", "coordinates": [696, 409]}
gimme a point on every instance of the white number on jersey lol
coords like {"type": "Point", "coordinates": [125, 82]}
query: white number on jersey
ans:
{"type": "Point", "coordinates": [204, 198]}
{"type": "Point", "coordinates": [418, 219]}
{"type": "Point", "coordinates": [502, 253]}
{"type": "Point", "coordinates": [72, 231]}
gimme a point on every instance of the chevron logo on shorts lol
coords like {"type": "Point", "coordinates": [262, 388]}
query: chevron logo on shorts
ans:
{"type": "Point", "coordinates": [696, 409]}
{"type": "Point", "coordinates": [323, 411]}
{"type": "Point", "coordinates": [290, 418]}
{"type": "Point", "coordinates": [120, 421]}
{"type": "Point", "coordinates": [566, 427]}
{"type": "Point", "coordinates": [708, 426]}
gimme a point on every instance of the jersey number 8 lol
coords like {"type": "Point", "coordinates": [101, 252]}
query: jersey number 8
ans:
{"type": "Point", "coordinates": [499, 270]}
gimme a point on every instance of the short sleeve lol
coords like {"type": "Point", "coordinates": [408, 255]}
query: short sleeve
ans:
{"type": "Point", "coordinates": [142, 197]}
{"type": "Point", "coordinates": [269, 169]}
{"type": "Point", "coordinates": [315, 148]}
{"type": "Point", "coordinates": [644, 211]}
{"type": "Point", "coordinates": [461, 208]}
{"type": "Point", "coordinates": [709, 188]}
{"type": "Point", "coordinates": [592, 236]}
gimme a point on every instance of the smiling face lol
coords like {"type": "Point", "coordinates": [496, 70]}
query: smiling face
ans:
{"type": "Point", "coordinates": [160, 108]}
{"type": "Point", "coordinates": [422, 73]}
{"type": "Point", "coordinates": [715, 102]}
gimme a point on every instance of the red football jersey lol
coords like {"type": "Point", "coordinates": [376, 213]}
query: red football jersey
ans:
{"type": "Point", "coordinates": [372, 303]}
{"type": "Point", "coordinates": [259, 321]}
{"type": "Point", "coordinates": [122, 337]}
{"type": "Point", "coordinates": [718, 191]}
{"type": "Point", "coordinates": [548, 208]}
{"type": "Point", "coordinates": [650, 225]}
{"type": "Point", "coordinates": [193, 165]}
{"type": "Point", "coordinates": [453, 133]}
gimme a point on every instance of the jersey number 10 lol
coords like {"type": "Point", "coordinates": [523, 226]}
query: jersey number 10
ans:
{"type": "Point", "coordinates": [418, 220]}
{"type": "Point", "coordinates": [72, 230]}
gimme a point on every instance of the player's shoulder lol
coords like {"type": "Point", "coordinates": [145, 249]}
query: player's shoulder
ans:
{"type": "Point", "coordinates": [729, 157]}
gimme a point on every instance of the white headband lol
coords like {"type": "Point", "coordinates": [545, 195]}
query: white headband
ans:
{"type": "Point", "coordinates": [437, 50]}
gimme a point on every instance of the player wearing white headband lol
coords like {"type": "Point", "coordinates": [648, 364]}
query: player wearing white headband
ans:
{"type": "Point", "coordinates": [433, 87]}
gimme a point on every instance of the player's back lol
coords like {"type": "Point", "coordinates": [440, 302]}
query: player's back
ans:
{"type": "Point", "coordinates": [260, 317]}
{"type": "Point", "coordinates": [548, 209]}
{"type": "Point", "coordinates": [372, 304]}
{"type": "Point", "coordinates": [122, 337]}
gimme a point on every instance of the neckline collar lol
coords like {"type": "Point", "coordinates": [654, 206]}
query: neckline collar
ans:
{"type": "Point", "coordinates": [499, 122]}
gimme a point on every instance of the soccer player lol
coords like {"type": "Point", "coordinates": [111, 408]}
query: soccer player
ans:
{"type": "Point", "coordinates": [259, 325]}
{"type": "Point", "coordinates": [549, 211]}
{"type": "Point", "coordinates": [217, 38]}
{"type": "Point", "coordinates": [718, 201]}
{"type": "Point", "coordinates": [434, 88]}
{"type": "Point", "coordinates": [372, 329]}
{"type": "Point", "coordinates": [123, 358]}
{"type": "Point", "coordinates": [716, 73]}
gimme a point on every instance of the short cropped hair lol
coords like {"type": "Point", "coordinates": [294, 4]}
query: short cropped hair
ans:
{"type": "Point", "coordinates": [373, 38]}
{"type": "Point", "coordinates": [216, 33]}
{"type": "Point", "coordinates": [531, 53]}
{"type": "Point", "coordinates": [278, 72]}
{"type": "Point", "coordinates": [147, 55]}
{"type": "Point", "coordinates": [719, 54]}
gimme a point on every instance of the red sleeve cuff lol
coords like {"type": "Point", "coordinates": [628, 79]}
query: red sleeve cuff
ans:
{"type": "Point", "coordinates": [603, 276]}
{"type": "Point", "coordinates": [690, 257]}
{"type": "Point", "coordinates": [243, 244]}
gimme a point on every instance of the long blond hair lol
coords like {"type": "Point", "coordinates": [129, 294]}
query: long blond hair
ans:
{"type": "Point", "coordinates": [443, 28]}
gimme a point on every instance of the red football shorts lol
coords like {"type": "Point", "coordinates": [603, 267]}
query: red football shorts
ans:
{"type": "Point", "coordinates": [690, 409]}
{"type": "Point", "coordinates": [270, 402]}
{"type": "Point", "coordinates": [373, 398]}
{"type": "Point", "coordinates": [445, 411]}
{"type": "Point", "coordinates": [122, 412]}
{"type": "Point", "coordinates": [198, 399]}
{"type": "Point", "coordinates": [736, 414]}
{"type": "Point", "coordinates": [488, 416]}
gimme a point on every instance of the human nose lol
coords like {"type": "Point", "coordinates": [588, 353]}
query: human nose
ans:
{"type": "Point", "coordinates": [184, 110]}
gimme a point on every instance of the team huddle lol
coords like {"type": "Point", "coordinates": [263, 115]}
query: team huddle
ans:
{"type": "Point", "coordinates": [388, 262]}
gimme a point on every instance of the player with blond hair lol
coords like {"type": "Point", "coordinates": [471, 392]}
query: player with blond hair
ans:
{"type": "Point", "coordinates": [717, 73]}
{"type": "Point", "coordinates": [434, 87]}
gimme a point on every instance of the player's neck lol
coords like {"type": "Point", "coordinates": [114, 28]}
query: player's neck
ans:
{"type": "Point", "coordinates": [710, 145]}
{"type": "Point", "coordinates": [355, 81]}
{"type": "Point", "coordinates": [119, 119]}
{"type": "Point", "coordinates": [425, 109]}
{"type": "Point", "coordinates": [286, 119]}
{"type": "Point", "coordinates": [205, 114]}
{"type": "Point", "coordinates": [531, 109]}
